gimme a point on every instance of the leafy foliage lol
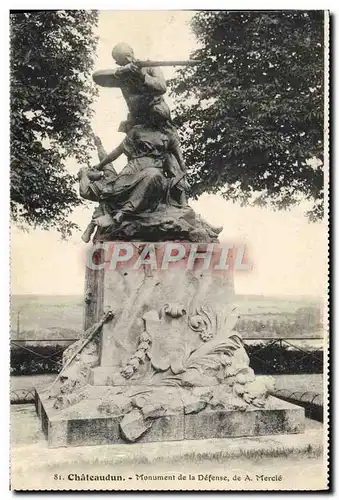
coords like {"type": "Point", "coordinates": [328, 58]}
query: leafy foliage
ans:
{"type": "Point", "coordinates": [52, 55]}
{"type": "Point", "coordinates": [252, 112]}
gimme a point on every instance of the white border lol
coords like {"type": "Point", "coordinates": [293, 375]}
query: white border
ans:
{"type": "Point", "coordinates": [4, 199]}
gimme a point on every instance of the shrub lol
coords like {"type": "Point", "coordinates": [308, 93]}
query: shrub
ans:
{"type": "Point", "coordinates": [279, 359]}
{"type": "Point", "coordinates": [37, 360]}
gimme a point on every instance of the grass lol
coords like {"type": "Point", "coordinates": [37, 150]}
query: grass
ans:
{"type": "Point", "coordinates": [310, 451]}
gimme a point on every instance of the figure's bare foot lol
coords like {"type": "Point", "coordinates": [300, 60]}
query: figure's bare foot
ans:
{"type": "Point", "coordinates": [217, 229]}
{"type": "Point", "coordinates": [86, 237]}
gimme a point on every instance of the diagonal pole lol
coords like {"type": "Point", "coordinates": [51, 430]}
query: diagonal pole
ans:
{"type": "Point", "coordinates": [89, 335]}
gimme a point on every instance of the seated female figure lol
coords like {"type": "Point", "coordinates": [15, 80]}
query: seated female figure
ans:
{"type": "Point", "coordinates": [155, 166]}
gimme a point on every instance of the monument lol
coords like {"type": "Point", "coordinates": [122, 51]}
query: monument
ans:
{"type": "Point", "coordinates": [159, 359]}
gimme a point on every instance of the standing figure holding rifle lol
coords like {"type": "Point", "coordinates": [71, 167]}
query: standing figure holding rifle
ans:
{"type": "Point", "coordinates": [142, 87]}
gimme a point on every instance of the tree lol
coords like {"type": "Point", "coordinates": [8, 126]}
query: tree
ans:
{"type": "Point", "coordinates": [52, 55]}
{"type": "Point", "coordinates": [251, 114]}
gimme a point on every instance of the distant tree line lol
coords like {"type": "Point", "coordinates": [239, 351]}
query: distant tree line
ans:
{"type": "Point", "coordinates": [305, 319]}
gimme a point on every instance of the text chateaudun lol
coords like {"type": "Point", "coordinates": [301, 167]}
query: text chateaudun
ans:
{"type": "Point", "coordinates": [90, 477]}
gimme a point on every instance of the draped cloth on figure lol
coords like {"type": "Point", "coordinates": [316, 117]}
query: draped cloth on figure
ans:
{"type": "Point", "coordinates": [144, 182]}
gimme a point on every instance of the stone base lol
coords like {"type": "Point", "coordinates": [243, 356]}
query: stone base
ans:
{"type": "Point", "coordinates": [83, 424]}
{"type": "Point", "coordinates": [169, 366]}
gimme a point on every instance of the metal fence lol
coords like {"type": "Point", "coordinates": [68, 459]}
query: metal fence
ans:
{"type": "Point", "coordinates": [250, 344]}
{"type": "Point", "coordinates": [258, 360]}
{"type": "Point", "coordinates": [22, 344]}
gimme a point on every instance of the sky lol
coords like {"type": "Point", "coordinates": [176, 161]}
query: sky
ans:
{"type": "Point", "coordinates": [287, 251]}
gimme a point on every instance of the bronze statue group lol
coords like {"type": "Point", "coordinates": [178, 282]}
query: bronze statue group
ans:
{"type": "Point", "coordinates": [155, 170]}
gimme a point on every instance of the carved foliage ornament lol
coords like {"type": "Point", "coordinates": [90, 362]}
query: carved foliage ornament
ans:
{"type": "Point", "coordinates": [196, 350]}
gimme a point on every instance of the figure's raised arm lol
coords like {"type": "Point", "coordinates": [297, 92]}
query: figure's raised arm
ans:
{"type": "Point", "coordinates": [107, 77]}
{"type": "Point", "coordinates": [112, 156]}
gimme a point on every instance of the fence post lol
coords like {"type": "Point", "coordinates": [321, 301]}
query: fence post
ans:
{"type": "Point", "coordinates": [18, 323]}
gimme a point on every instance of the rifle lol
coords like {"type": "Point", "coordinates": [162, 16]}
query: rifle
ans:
{"type": "Point", "coordinates": [100, 148]}
{"type": "Point", "coordinates": [105, 77]}
{"type": "Point", "coordinates": [88, 336]}
{"type": "Point", "coordinates": [155, 64]}
{"type": "Point", "coordinates": [102, 154]}
{"type": "Point", "coordinates": [176, 180]}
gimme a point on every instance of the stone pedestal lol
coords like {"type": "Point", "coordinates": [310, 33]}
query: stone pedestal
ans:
{"type": "Point", "coordinates": [131, 289]}
{"type": "Point", "coordinates": [169, 366]}
{"type": "Point", "coordinates": [84, 424]}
